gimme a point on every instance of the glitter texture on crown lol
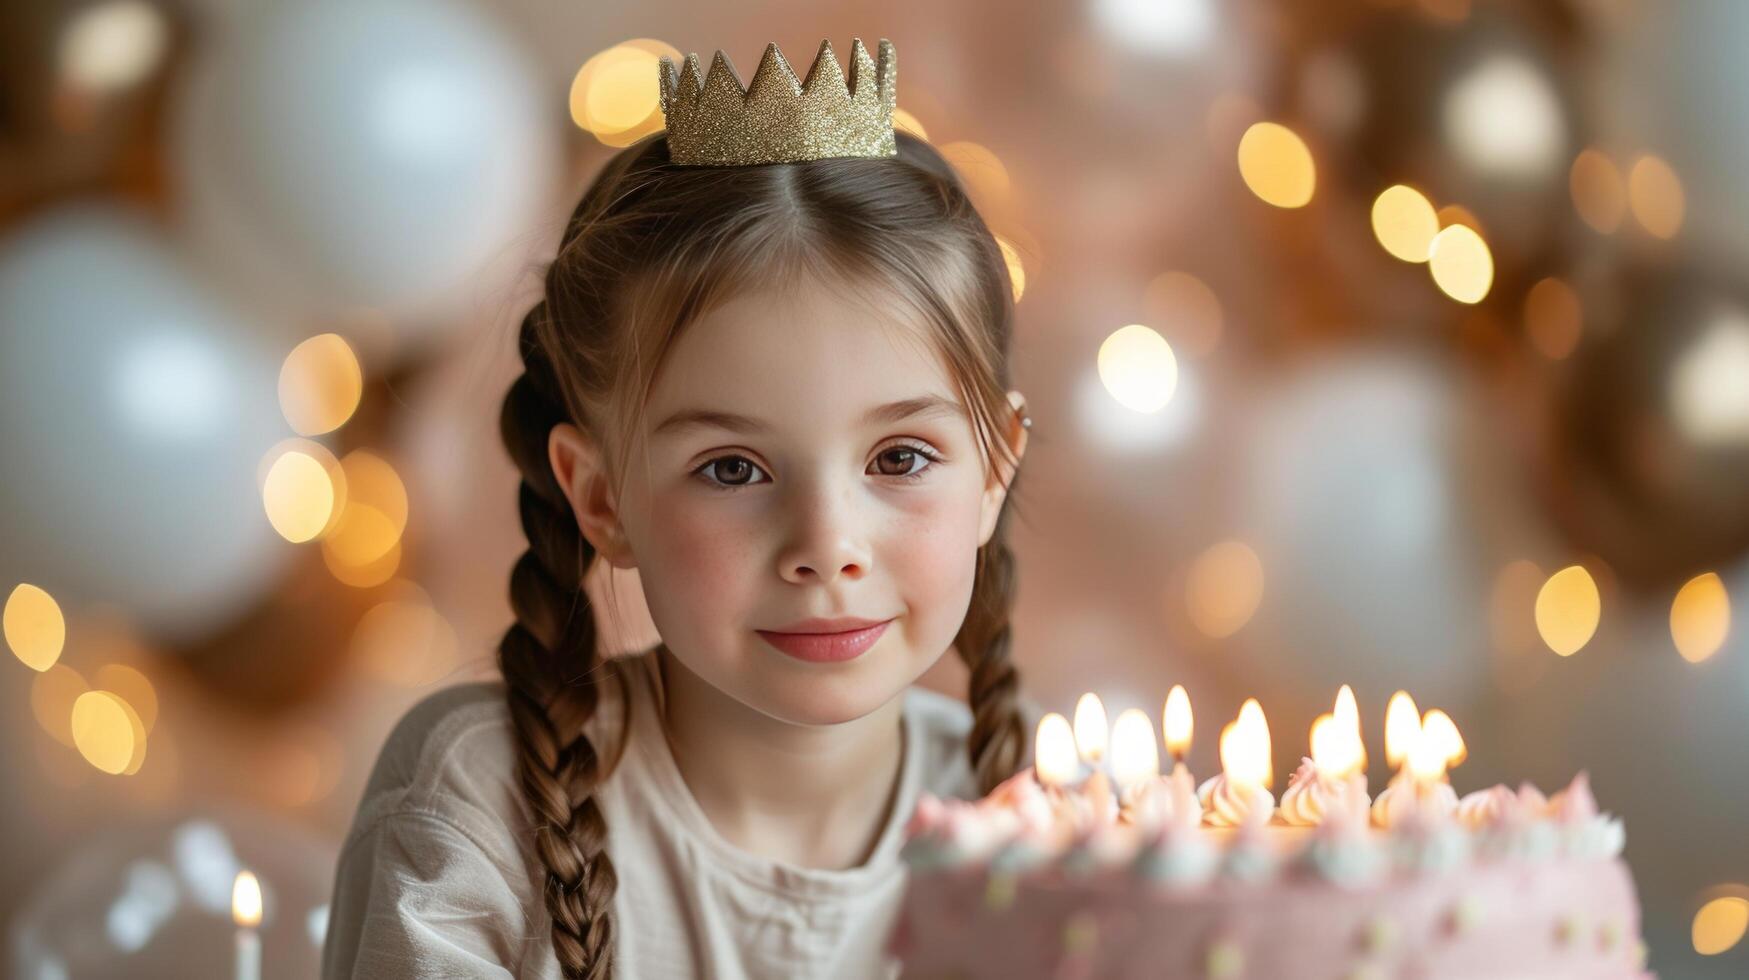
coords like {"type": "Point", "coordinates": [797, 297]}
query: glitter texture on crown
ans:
{"type": "Point", "coordinates": [777, 119]}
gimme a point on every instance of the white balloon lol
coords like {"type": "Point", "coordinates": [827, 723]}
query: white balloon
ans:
{"type": "Point", "coordinates": [1376, 574]}
{"type": "Point", "coordinates": [133, 413]}
{"type": "Point", "coordinates": [388, 155]}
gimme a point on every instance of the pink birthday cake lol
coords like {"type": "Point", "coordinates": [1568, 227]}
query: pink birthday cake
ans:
{"type": "Point", "coordinates": [1165, 879]}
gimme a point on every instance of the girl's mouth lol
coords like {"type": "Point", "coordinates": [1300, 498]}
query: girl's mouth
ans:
{"type": "Point", "coordinates": [826, 647]}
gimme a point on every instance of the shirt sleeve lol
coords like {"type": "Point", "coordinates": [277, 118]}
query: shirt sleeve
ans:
{"type": "Point", "coordinates": [416, 897]}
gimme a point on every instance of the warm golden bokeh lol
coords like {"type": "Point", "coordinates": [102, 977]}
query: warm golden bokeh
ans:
{"type": "Point", "coordinates": [980, 168]}
{"type": "Point", "coordinates": [1187, 310]}
{"type": "Point", "coordinates": [1016, 270]}
{"type": "Point", "coordinates": [1553, 318]}
{"type": "Point", "coordinates": [320, 385]}
{"type": "Point", "coordinates": [1598, 190]}
{"type": "Point", "coordinates": [405, 641]}
{"type": "Point", "coordinates": [1461, 264]}
{"type": "Point", "coordinates": [1719, 925]}
{"type": "Point", "coordinates": [1224, 589]}
{"type": "Point", "coordinates": [1700, 617]}
{"type": "Point", "coordinates": [1568, 609]}
{"type": "Point", "coordinates": [34, 627]}
{"type": "Point", "coordinates": [1138, 368]}
{"type": "Point", "coordinates": [131, 686]}
{"type": "Point", "coordinates": [616, 96]}
{"type": "Point", "coordinates": [1655, 196]}
{"type": "Point", "coordinates": [298, 495]}
{"type": "Point", "coordinates": [108, 733]}
{"type": "Point", "coordinates": [1404, 222]}
{"type": "Point", "coordinates": [1276, 165]}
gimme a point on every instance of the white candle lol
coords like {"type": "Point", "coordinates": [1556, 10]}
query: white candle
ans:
{"type": "Point", "coordinates": [246, 913]}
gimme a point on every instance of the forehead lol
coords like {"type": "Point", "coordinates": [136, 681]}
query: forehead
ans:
{"type": "Point", "coordinates": [804, 356]}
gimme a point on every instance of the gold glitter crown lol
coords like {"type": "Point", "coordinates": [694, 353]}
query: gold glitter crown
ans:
{"type": "Point", "coordinates": [778, 119]}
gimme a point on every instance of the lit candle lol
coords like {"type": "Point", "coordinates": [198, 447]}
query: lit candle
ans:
{"type": "Point", "coordinates": [1439, 727]}
{"type": "Point", "coordinates": [1421, 786]}
{"type": "Point", "coordinates": [1246, 771]}
{"type": "Point", "coordinates": [1335, 770]}
{"type": "Point", "coordinates": [1092, 738]}
{"type": "Point", "coordinates": [246, 912]}
{"type": "Point", "coordinates": [1135, 767]}
{"type": "Point", "coordinates": [1176, 723]}
{"type": "Point", "coordinates": [1402, 728]}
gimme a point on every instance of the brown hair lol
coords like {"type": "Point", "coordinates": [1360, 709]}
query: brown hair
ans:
{"type": "Point", "coordinates": [651, 247]}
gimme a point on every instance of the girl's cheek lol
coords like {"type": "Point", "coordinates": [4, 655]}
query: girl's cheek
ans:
{"type": "Point", "coordinates": [702, 562]}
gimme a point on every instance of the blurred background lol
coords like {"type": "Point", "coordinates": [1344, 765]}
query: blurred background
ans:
{"type": "Point", "coordinates": [1395, 343]}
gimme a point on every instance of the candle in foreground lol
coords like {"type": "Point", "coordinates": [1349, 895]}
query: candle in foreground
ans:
{"type": "Point", "coordinates": [246, 912]}
{"type": "Point", "coordinates": [1177, 723]}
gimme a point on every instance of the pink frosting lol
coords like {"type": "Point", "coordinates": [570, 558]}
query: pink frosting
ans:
{"type": "Point", "coordinates": [1484, 806]}
{"type": "Point", "coordinates": [1575, 804]}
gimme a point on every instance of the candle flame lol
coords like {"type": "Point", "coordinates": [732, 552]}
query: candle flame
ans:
{"type": "Point", "coordinates": [1426, 760]}
{"type": "Point", "coordinates": [1177, 722]}
{"type": "Point", "coordinates": [246, 900]}
{"type": "Point", "coordinates": [1135, 756]}
{"type": "Point", "coordinates": [1336, 746]}
{"type": "Point", "coordinates": [1092, 732]}
{"type": "Point", "coordinates": [1402, 728]}
{"type": "Point", "coordinates": [1444, 732]}
{"type": "Point", "coordinates": [1054, 760]}
{"type": "Point", "coordinates": [1347, 718]}
{"type": "Point", "coordinates": [1245, 750]}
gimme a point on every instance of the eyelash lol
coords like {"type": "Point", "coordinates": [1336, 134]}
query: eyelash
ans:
{"type": "Point", "coordinates": [912, 477]}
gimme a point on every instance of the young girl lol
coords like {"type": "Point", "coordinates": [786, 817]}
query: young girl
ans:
{"type": "Point", "coordinates": [779, 391]}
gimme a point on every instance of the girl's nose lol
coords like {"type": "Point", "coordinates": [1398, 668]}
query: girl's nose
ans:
{"type": "Point", "coordinates": [827, 540]}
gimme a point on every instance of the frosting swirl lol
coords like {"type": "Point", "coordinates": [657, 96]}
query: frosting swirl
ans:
{"type": "Point", "coordinates": [1484, 807]}
{"type": "Point", "coordinates": [1227, 804]}
{"type": "Point", "coordinates": [1311, 797]}
{"type": "Point", "coordinates": [1405, 796]}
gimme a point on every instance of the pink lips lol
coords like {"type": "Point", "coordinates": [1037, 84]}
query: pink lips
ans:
{"type": "Point", "coordinates": [826, 647]}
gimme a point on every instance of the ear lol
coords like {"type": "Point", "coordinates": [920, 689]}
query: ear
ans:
{"type": "Point", "coordinates": [996, 491]}
{"type": "Point", "coordinates": [581, 469]}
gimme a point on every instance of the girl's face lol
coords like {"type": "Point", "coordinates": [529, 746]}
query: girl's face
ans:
{"type": "Point", "coordinates": [803, 456]}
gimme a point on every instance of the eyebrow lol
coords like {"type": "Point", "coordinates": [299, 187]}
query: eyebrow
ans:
{"type": "Point", "coordinates": [925, 406]}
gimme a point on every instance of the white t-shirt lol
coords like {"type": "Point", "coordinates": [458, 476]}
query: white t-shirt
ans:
{"type": "Point", "coordinates": [438, 876]}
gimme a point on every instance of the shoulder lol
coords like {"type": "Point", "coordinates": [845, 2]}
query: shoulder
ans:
{"type": "Point", "coordinates": [451, 757]}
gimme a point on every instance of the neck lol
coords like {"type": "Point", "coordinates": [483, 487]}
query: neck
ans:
{"type": "Point", "coordinates": [812, 795]}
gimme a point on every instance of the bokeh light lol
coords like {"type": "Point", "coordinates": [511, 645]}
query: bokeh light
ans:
{"type": "Point", "coordinates": [363, 548]}
{"type": "Point", "coordinates": [131, 686]}
{"type": "Point", "coordinates": [1187, 310]}
{"type": "Point", "coordinates": [1655, 196]}
{"type": "Point", "coordinates": [108, 733]}
{"type": "Point", "coordinates": [1709, 393]}
{"type": "Point", "coordinates": [1598, 191]}
{"type": "Point", "coordinates": [1554, 319]}
{"type": "Point", "coordinates": [405, 642]}
{"type": "Point", "coordinates": [1404, 222]}
{"type": "Point", "coordinates": [320, 384]}
{"type": "Point", "coordinates": [1461, 264]}
{"type": "Point", "coordinates": [1276, 165]}
{"type": "Point", "coordinates": [298, 495]}
{"type": "Point", "coordinates": [616, 95]}
{"type": "Point", "coordinates": [1016, 270]}
{"type": "Point", "coordinates": [1224, 589]}
{"type": "Point", "coordinates": [1568, 609]}
{"type": "Point", "coordinates": [114, 45]}
{"type": "Point", "coordinates": [1138, 368]}
{"type": "Point", "coordinates": [1719, 925]}
{"type": "Point", "coordinates": [982, 170]}
{"type": "Point", "coordinates": [909, 123]}
{"type": "Point", "coordinates": [34, 627]}
{"type": "Point", "coordinates": [1700, 617]}
{"type": "Point", "coordinates": [1503, 118]}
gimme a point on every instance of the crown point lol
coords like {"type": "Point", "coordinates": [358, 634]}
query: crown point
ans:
{"type": "Point", "coordinates": [825, 77]}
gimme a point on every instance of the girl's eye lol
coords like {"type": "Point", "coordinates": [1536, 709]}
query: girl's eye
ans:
{"type": "Point", "coordinates": [904, 459]}
{"type": "Point", "coordinates": [733, 472]}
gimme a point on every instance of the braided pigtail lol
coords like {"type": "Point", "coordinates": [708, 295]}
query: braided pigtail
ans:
{"type": "Point", "coordinates": [998, 739]}
{"type": "Point", "coordinates": [551, 672]}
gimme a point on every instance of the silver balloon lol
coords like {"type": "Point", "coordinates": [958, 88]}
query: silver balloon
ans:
{"type": "Point", "coordinates": [1372, 572]}
{"type": "Point", "coordinates": [153, 899]}
{"type": "Point", "coordinates": [389, 155]}
{"type": "Point", "coordinates": [134, 410]}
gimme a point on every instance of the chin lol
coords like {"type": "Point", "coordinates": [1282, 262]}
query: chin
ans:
{"type": "Point", "coordinates": [812, 694]}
